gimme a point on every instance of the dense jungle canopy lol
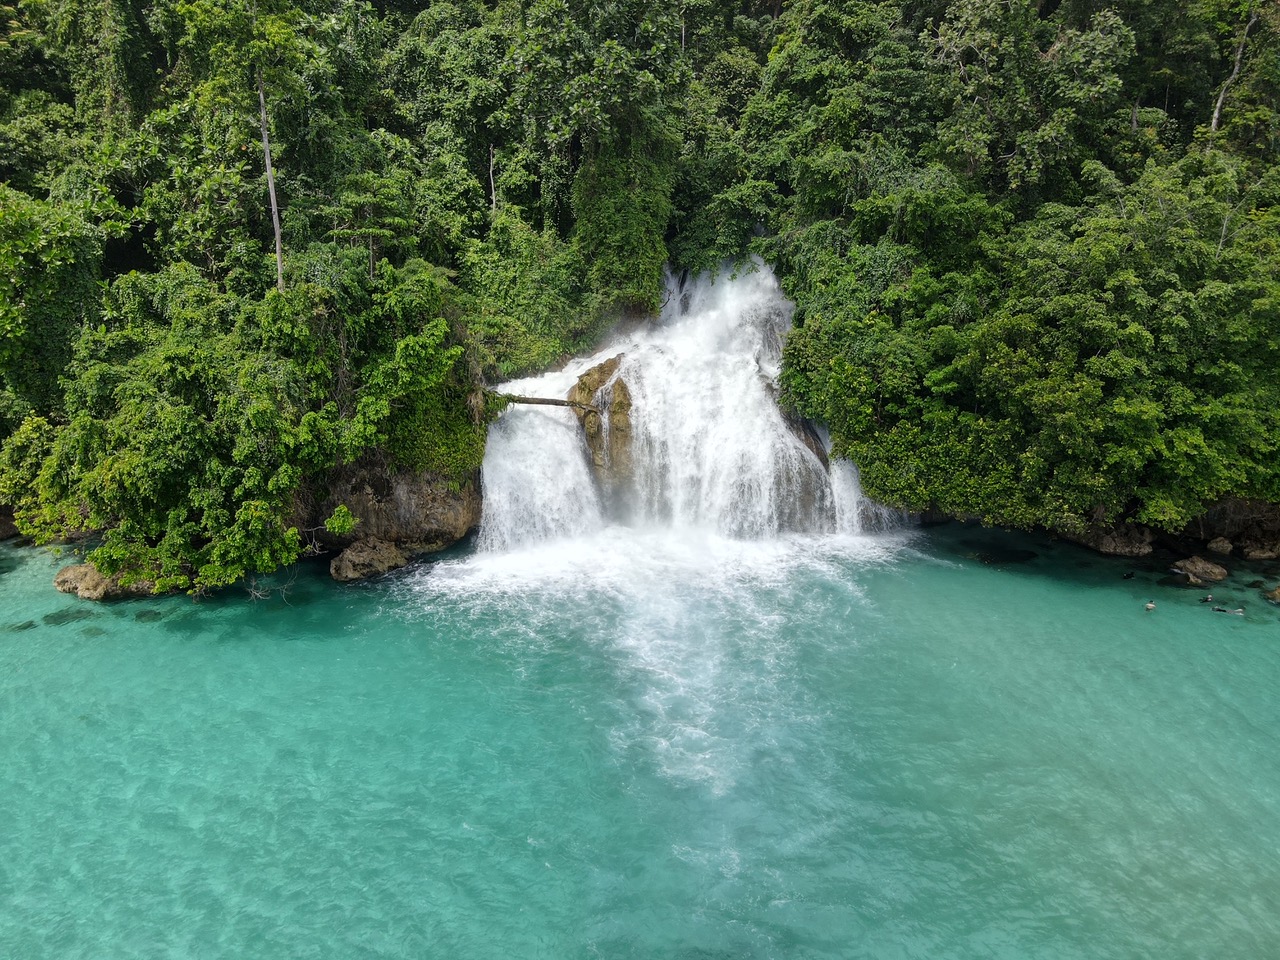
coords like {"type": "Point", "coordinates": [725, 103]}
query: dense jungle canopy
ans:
{"type": "Point", "coordinates": [1034, 246]}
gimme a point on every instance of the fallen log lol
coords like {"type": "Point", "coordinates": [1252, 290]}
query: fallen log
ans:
{"type": "Point", "coordinates": [547, 402]}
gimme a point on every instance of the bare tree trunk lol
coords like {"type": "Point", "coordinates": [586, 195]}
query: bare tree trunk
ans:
{"type": "Point", "coordinates": [1222, 94]}
{"type": "Point", "coordinates": [271, 184]}
{"type": "Point", "coordinates": [547, 402]}
{"type": "Point", "coordinates": [493, 190]}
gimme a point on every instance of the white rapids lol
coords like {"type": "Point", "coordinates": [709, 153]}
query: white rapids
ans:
{"type": "Point", "coordinates": [711, 449]}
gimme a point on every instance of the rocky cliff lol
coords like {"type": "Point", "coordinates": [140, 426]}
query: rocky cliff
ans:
{"type": "Point", "coordinates": [398, 515]}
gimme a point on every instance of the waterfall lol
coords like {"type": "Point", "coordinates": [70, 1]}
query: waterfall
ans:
{"type": "Point", "coordinates": [689, 434]}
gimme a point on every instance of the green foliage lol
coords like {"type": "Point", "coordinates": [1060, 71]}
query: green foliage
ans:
{"type": "Point", "coordinates": [341, 522]}
{"type": "Point", "coordinates": [622, 203]}
{"type": "Point", "coordinates": [1027, 97]}
{"type": "Point", "coordinates": [186, 441]}
{"type": "Point", "coordinates": [528, 308]}
{"type": "Point", "coordinates": [177, 442]}
{"type": "Point", "coordinates": [49, 261]}
{"type": "Point", "coordinates": [1111, 360]}
{"type": "Point", "coordinates": [1032, 245]}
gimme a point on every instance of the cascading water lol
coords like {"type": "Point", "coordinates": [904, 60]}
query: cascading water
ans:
{"type": "Point", "coordinates": [709, 448]}
{"type": "Point", "coordinates": [659, 521]}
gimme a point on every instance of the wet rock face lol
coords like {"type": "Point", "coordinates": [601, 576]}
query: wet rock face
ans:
{"type": "Point", "coordinates": [88, 583]}
{"type": "Point", "coordinates": [366, 558]}
{"type": "Point", "coordinates": [589, 384]}
{"type": "Point", "coordinates": [1118, 540]}
{"type": "Point", "coordinates": [607, 427]}
{"type": "Point", "coordinates": [619, 458]}
{"type": "Point", "coordinates": [418, 512]}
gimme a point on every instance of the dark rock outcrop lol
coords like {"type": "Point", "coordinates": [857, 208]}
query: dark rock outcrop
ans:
{"type": "Point", "coordinates": [366, 558]}
{"type": "Point", "coordinates": [8, 529]}
{"type": "Point", "coordinates": [1115, 540]}
{"type": "Point", "coordinates": [1252, 526]}
{"type": "Point", "coordinates": [1256, 550]}
{"type": "Point", "coordinates": [419, 512]}
{"type": "Point", "coordinates": [89, 583]}
{"type": "Point", "coordinates": [415, 512]}
{"type": "Point", "coordinates": [1199, 570]}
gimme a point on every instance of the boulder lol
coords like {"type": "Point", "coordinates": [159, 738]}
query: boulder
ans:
{"type": "Point", "coordinates": [1199, 570]}
{"type": "Point", "coordinates": [1114, 540]}
{"type": "Point", "coordinates": [603, 405]}
{"type": "Point", "coordinates": [89, 583]}
{"type": "Point", "coordinates": [1220, 545]}
{"type": "Point", "coordinates": [366, 558]}
{"type": "Point", "coordinates": [589, 384]}
{"type": "Point", "coordinates": [1273, 595]}
{"type": "Point", "coordinates": [1256, 550]}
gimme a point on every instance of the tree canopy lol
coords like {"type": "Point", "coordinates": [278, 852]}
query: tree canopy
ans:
{"type": "Point", "coordinates": [1033, 245]}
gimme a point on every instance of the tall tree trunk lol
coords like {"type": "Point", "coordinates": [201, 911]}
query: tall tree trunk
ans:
{"type": "Point", "coordinates": [1222, 94]}
{"type": "Point", "coordinates": [493, 189]}
{"type": "Point", "coordinates": [271, 184]}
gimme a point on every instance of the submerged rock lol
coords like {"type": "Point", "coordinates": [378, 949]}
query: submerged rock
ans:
{"type": "Point", "coordinates": [366, 558]}
{"type": "Point", "coordinates": [1273, 595]}
{"type": "Point", "coordinates": [88, 583]}
{"type": "Point", "coordinates": [1199, 570]}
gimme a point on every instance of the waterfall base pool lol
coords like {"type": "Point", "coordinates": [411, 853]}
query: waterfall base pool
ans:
{"type": "Point", "coordinates": [943, 744]}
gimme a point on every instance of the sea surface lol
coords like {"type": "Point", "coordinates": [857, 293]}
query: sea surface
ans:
{"type": "Point", "coordinates": [943, 743]}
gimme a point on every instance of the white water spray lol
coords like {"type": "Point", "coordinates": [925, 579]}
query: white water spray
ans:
{"type": "Point", "coordinates": [660, 542]}
{"type": "Point", "coordinates": [710, 449]}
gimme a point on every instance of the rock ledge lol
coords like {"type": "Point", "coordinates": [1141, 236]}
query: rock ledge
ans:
{"type": "Point", "coordinates": [88, 583]}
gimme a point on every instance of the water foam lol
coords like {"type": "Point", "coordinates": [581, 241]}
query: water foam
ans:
{"type": "Point", "coordinates": [686, 621]}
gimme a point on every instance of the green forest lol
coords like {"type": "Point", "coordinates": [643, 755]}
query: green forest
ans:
{"type": "Point", "coordinates": [1034, 246]}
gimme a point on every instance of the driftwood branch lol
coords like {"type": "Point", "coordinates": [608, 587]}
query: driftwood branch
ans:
{"type": "Point", "coordinates": [548, 402]}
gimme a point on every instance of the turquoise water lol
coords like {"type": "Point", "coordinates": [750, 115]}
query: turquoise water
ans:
{"type": "Point", "coordinates": [925, 745]}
